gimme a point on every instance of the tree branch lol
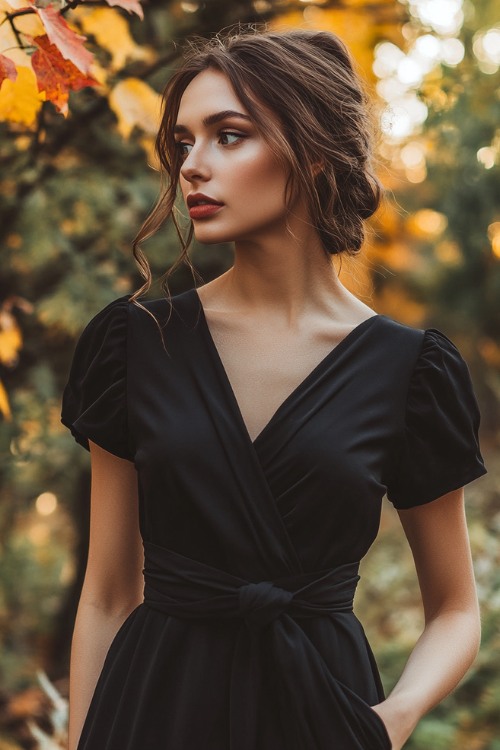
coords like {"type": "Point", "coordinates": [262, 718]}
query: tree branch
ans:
{"type": "Point", "coordinates": [15, 31]}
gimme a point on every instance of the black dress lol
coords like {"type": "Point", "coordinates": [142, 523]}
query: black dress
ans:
{"type": "Point", "coordinates": [246, 639]}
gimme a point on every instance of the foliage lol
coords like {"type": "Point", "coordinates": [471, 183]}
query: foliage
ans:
{"type": "Point", "coordinates": [447, 256]}
{"type": "Point", "coordinates": [58, 61]}
{"type": "Point", "coordinates": [388, 604]}
{"type": "Point", "coordinates": [78, 113]}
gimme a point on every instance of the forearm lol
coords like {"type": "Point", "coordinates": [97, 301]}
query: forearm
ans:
{"type": "Point", "coordinates": [94, 630]}
{"type": "Point", "coordinates": [441, 657]}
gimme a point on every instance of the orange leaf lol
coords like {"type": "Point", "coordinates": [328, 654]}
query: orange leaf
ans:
{"type": "Point", "coordinates": [10, 339]}
{"type": "Point", "coordinates": [7, 69]}
{"type": "Point", "coordinates": [55, 75]}
{"type": "Point", "coordinates": [69, 43]}
{"type": "Point", "coordinates": [4, 404]}
{"type": "Point", "coordinates": [132, 6]}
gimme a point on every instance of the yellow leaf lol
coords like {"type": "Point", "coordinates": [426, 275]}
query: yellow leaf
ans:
{"type": "Point", "coordinates": [135, 103]}
{"type": "Point", "coordinates": [7, 36]}
{"type": "Point", "coordinates": [4, 403]}
{"type": "Point", "coordinates": [28, 24]}
{"type": "Point", "coordinates": [111, 32]}
{"type": "Point", "coordinates": [10, 339]}
{"type": "Point", "coordinates": [20, 100]}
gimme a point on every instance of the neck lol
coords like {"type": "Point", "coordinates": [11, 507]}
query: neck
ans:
{"type": "Point", "coordinates": [282, 273]}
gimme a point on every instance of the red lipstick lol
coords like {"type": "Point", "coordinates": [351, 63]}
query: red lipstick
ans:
{"type": "Point", "coordinates": [201, 206]}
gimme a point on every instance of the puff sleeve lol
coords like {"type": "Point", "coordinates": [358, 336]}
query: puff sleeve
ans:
{"type": "Point", "coordinates": [94, 401]}
{"type": "Point", "coordinates": [440, 448]}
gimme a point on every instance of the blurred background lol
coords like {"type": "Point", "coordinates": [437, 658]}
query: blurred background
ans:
{"type": "Point", "coordinates": [78, 115]}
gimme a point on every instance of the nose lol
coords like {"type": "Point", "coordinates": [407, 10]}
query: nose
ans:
{"type": "Point", "coordinates": [194, 166]}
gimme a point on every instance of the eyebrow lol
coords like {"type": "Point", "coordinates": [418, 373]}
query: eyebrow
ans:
{"type": "Point", "coordinates": [213, 119]}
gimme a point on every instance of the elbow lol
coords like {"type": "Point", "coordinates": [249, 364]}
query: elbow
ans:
{"type": "Point", "coordinates": [472, 627]}
{"type": "Point", "coordinates": [112, 598]}
{"type": "Point", "coordinates": [472, 621]}
{"type": "Point", "coordinates": [476, 636]}
{"type": "Point", "coordinates": [463, 627]}
{"type": "Point", "coordinates": [109, 606]}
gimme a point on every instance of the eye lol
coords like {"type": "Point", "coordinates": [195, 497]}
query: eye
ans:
{"type": "Point", "coordinates": [228, 138]}
{"type": "Point", "coordinates": [183, 147]}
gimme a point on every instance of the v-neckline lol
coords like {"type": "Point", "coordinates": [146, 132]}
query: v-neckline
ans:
{"type": "Point", "coordinates": [338, 348]}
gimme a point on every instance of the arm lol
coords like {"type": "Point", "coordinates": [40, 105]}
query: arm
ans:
{"type": "Point", "coordinates": [113, 584]}
{"type": "Point", "coordinates": [438, 537]}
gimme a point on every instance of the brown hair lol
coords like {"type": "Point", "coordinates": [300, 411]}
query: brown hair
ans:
{"type": "Point", "coordinates": [307, 79]}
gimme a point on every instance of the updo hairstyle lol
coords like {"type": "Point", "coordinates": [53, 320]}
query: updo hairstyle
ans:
{"type": "Point", "coordinates": [307, 81]}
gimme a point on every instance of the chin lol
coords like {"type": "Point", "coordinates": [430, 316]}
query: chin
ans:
{"type": "Point", "coordinates": [207, 237]}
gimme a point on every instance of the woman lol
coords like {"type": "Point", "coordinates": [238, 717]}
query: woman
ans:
{"type": "Point", "coordinates": [243, 435]}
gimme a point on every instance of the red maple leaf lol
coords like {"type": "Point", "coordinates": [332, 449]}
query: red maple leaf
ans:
{"type": "Point", "coordinates": [69, 43]}
{"type": "Point", "coordinates": [7, 69]}
{"type": "Point", "coordinates": [55, 75]}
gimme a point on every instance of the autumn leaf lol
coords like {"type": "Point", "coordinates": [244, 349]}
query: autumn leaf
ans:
{"type": "Point", "coordinates": [69, 43]}
{"type": "Point", "coordinates": [10, 339]}
{"type": "Point", "coordinates": [4, 404]}
{"type": "Point", "coordinates": [20, 100]}
{"type": "Point", "coordinates": [7, 69]}
{"type": "Point", "coordinates": [135, 103]}
{"type": "Point", "coordinates": [132, 6]}
{"type": "Point", "coordinates": [28, 23]}
{"type": "Point", "coordinates": [111, 31]}
{"type": "Point", "coordinates": [55, 75]}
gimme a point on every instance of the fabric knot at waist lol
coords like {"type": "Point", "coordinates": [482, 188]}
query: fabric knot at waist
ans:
{"type": "Point", "coordinates": [318, 712]}
{"type": "Point", "coordinates": [260, 603]}
{"type": "Point", "coordinates": [187, 588]}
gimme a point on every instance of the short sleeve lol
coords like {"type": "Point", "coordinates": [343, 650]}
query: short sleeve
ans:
{"type": "Point", "coordinates": [440, 449]}
{"type": "Point", "coordinates": [94, 401]}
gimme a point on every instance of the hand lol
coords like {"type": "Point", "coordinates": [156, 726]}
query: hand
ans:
{"type": "Point", "coordinates": [397, 722]}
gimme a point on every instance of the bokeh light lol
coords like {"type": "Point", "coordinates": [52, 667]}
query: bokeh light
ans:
{"type": "Point", "coordinates": [401, 73]}
{"type": "Point", "coordinates": [443, 16]}
{"type": "Point", "coordinates": [486, 157]}
{"type": "Point", "coordinates": [46, 503]}
{"type": "Point", "coordinates": [486, 48]}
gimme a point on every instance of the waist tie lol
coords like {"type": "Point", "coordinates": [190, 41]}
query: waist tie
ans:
{"type": "Point", "coordinates": [318, 712]}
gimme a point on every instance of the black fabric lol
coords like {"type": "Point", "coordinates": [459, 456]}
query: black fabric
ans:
{"type": "Point", "coordinates": [94, 399]}
{"type": "Point", "coordinates": [440, 447]}
{"type": "Point", "coordinates": [230, 649]}
{"type": "Point", "coordinates": [186, 588]}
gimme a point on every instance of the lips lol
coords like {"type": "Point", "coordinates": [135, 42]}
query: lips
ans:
{"type": "Point", "coordinates": [201, 206]}
{"type": "Point", "coordinates": [196, 199]}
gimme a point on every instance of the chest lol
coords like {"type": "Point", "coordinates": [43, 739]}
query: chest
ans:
{"type": "Point", "coordinates": [265, 365]}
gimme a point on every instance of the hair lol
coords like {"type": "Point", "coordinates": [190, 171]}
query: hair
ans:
{"type": "Point", "coordinates": [307, 80]}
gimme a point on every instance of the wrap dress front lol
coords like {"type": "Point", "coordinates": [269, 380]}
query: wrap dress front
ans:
{"type": "Point", "coordinates": [246, 638]}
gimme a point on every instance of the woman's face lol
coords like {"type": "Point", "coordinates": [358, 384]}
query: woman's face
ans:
{"type": "Point", "coordinates": [226, 161]}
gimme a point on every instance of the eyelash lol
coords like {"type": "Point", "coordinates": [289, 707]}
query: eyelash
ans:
{"type": "Point", "coordinates": [181, 144]}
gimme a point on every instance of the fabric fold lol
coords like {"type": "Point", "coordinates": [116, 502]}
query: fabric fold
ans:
{"type": "Point", "coordinates": [94, 401]}
{"type": "Point", "coordinates": [440, 451]}
{"type": "Point", "coordinates": [317, 710]}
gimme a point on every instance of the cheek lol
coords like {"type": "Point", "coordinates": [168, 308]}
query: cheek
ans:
{"type": "Point", "coordinates": [260, 178]}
